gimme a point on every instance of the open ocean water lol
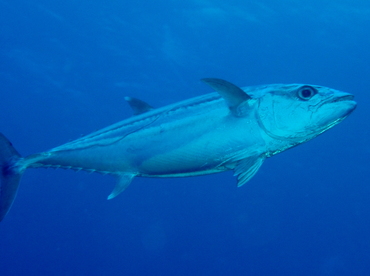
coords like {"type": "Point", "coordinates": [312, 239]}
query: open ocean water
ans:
{"type": "Point", "coordinates": [65, 68]}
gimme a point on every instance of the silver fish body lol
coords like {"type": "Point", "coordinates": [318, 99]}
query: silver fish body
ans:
{"type": "Point", "coordinates": [231, 129]}
{"type": "Point", "coordinates": [185, 139]}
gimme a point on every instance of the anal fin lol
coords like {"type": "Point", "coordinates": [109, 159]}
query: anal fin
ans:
{"type": "Point", "coordinates": [123, 182]}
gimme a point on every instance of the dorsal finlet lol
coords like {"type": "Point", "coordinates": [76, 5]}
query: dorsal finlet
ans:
{"type": "Point", "coordinates": [234, 96]}
{"type": "Point", "coordinates": [138, 106]}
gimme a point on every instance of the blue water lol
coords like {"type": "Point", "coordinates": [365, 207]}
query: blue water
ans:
{"type": "Point", "coordinates": [65, 68]}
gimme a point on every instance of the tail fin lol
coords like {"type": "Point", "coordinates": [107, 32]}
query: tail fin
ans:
{"type": "Point", "coordinates": [9, 176]}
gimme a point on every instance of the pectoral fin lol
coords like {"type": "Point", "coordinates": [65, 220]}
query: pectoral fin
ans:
{"type": "Point", "coordinates": [123, 182]}
{"type": "Point", "coordinates": [247, 168]}
{"type": "Point", "coordinates": [235, 97]}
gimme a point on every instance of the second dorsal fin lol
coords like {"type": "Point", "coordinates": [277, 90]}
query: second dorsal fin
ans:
{"type": "Point", "coordinates": [138, 106]}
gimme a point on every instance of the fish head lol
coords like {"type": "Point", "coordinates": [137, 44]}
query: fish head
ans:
{"type": "Point", "coordinates": [299, 112]}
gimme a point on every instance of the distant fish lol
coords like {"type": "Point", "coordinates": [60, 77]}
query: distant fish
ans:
{"type": "Point", "coordinates": [233, 129]}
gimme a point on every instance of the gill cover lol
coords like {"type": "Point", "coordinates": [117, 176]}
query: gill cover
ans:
{"type": "Point", "coordinates": [284, 115]}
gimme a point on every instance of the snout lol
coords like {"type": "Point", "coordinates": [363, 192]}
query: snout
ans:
{"type": "Point", "coordinates": [339, 96]}
{"type": "Point", "coordinates": [348, 97]}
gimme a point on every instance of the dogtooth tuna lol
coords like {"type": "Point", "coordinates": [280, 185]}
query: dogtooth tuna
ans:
{"type": "Point", "coordinates": [230, 129]}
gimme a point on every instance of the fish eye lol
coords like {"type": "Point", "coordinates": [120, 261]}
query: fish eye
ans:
{"type": "Point", "coordinates": [306, 92]}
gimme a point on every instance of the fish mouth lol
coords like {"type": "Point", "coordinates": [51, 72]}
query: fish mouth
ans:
{"type": "Point", "coordinates": [343, 105]}
{"type": "Point", "coordinates": [345, 101]}
{"type": "Point", "coordinates": [335, 110]}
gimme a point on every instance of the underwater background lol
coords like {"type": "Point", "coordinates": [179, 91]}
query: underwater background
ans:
{"type": "Point", "coordinates": [65, 68]}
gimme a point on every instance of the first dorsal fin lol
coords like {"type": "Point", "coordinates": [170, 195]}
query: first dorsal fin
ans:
{"type": "Point", "coordinates": [138, 106]}
{"type": "Point", "coordinates": [235, 97]}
